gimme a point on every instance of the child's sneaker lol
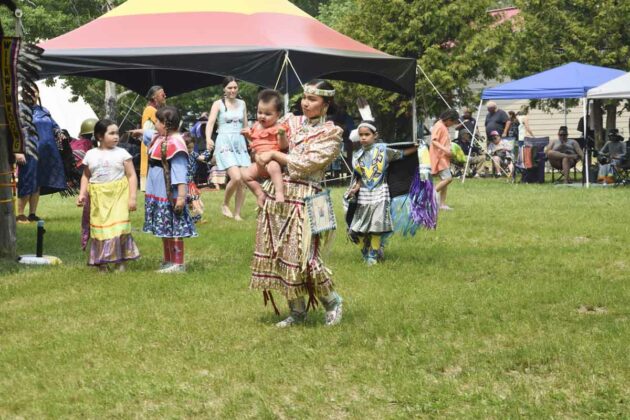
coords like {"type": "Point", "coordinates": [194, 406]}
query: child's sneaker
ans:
{"type": "Point", "coordinates": [173, 269]}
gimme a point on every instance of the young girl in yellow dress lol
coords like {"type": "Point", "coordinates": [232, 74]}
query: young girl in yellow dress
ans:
{"type": "Point", "coordinates": [108, 186]}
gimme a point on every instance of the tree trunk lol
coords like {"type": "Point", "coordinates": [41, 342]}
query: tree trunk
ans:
{"type": "Point", "coordinates": [598, 124]}
{"type": "Point", "coordinates": [7, 214]}
{"type": "Point", "coordinates": [111, 102]}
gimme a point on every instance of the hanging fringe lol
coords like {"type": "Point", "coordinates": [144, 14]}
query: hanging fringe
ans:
{"type": "Point", "coordinates": [268, 297]}
{"type": "Point", "coordinates": [423, 208]}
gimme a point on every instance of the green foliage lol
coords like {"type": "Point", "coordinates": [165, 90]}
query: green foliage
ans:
{"type": "Point", "coordinates": [454, 44]}
{"type": "Point", "coordinates": [510, 309]}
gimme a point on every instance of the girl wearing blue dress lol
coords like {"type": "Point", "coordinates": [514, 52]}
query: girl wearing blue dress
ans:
{"type": "Point", "coordinates": [230, 150]}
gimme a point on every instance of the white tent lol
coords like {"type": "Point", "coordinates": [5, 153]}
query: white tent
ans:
{"type": "Point", "coordinates": [68, 114]}
{"type": "Point", "coordinates": [616, 88]}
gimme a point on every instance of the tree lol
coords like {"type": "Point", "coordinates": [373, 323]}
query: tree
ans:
{"type": "Point", "coordinates": [454, 44]}
{"type": "Point", "coordinates": [553, 32]}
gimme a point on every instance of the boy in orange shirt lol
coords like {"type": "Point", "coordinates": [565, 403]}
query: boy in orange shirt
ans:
{"type": "Point", "coordinates": [440, 153]}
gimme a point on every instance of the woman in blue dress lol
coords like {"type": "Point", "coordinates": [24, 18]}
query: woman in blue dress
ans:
{"type": "Point", "coordinates": [230, 151]}
{"type": "Point", "coordinates": [41, 169]}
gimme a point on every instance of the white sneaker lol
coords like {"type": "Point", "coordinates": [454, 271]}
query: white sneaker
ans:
{"type": "Point", "coordinates": [333, 317]}
{"type": "Point", "coordinates": [172, 269]}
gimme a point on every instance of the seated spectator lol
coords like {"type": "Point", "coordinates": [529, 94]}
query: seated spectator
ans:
{"type": "Point", "coordinates": [564, 153]}
{"type": "Point", "coordinates": [502, 156]}
{"type": "Point", "coordinates": [614, 151]}
{"type": "Point", "coordinates": [477, 156]}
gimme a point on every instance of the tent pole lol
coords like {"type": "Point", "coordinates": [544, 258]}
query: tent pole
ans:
{"type": "Point", "coordinates": [286, 81]}
{"type": "Point", "coordinates": [472, 141]}
{"type": "Point", "coordinates": [587, 168]}
{"type": "Point", "coordinates": [414, 119]}
{"type": "Point", "coordinates": [565, 111]}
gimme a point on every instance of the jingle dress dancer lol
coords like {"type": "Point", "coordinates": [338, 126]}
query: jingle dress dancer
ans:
{"type": "Point", "coordinates": [288, 256]}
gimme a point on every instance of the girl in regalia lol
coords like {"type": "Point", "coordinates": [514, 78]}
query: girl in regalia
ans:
{"type": "Point", "coordinates": [371, 218]}
{"type": "Point", "coordinates": [166, 214]}
{"type": "Point", "coordinates": [288, 254]}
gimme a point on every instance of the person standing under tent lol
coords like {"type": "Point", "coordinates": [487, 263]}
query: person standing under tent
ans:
{"type": "Point", "coordinates": [288, 254]}
{"type": "Point", "coordinates": [495, 119]}
{"type": "Point", "coordinates": [41, 171]}
{"type": "Point", "coordinates": [524, 129]}
{"type": "Point", "coordinates": [166, 214]}
{"type": "Point", "coordinates": [512, 126]}
{"type": "Point", "coordinates": [157, 99]}
{"type": "Point", "coordinates": [230, 151]}
{"type": "Point", "coordinates": [468, 123]}
{"type": "Point", "coordinates": [108, 187]}
{"type": "Point", "coordinates": [440, 152]}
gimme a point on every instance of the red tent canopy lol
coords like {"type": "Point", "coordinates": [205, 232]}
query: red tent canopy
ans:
{"type": "Point", "coordinates": [188, 44]}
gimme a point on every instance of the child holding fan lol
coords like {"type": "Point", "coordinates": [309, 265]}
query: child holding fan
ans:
{"type": "Point", "coordinates": [166, 213]}
{"type": "Point", "coordinates": [266, 135]}
{"type": "Point", "coordinates": [108, 187]}
{"type": "Point", "coordinates": [370, 217]}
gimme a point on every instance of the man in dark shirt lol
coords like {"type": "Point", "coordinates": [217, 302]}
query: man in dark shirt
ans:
{"type": "Point", "coordinates": [468, 122]}
{"type": "Point", "coordinates": [495, 120]}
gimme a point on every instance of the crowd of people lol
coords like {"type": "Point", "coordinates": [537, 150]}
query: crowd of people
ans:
{"type": "Point", "coordinates": [283, 160]}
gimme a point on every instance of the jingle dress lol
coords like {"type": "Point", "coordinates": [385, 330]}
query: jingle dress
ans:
{"type": "Point", "coordinates": [288, 257]}
{"type": "Point", "coordinates": [230, 146]}
{"type": "Point", "coordinates": [160, 218]}
{"type": "Point", "coordinates": [370, 164]}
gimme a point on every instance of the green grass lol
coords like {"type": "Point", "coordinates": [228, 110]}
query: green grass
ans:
{"type": "Point", "coordinates": [517, 306]}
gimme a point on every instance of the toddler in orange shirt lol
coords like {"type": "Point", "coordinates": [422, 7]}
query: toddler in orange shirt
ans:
{"type": "Point", "coordinates": [264, 136]}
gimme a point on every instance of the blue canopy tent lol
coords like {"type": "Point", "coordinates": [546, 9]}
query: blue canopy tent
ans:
{"type": "Point", "coordinates": [572, 80]}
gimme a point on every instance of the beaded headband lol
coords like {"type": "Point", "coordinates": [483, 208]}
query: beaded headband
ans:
{"type": "Point", "coordinates": [319, 92]}
{"type": "Point", "coordinates": [367, 125]}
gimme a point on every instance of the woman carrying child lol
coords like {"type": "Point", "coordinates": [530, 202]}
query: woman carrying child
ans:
{"type": "Point", "coordinates": [108, 186]}
{"type": "Point", "coordinates": [166, 214]}
{"type": "Point", "coordinates": [372, 216]}
{"type": "Point", "coordinates": [288, 256]}
{"type": "Point", "coordinates": [265, 136]}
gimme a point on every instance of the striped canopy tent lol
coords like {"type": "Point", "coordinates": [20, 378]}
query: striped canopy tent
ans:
{"type": "Point", "coordinates": [189, 44]}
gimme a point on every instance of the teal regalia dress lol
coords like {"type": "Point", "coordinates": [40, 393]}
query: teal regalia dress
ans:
{"type": "Point", "coordinates": [370, 164]}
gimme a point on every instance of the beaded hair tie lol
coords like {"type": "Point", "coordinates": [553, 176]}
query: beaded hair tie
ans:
{"type": "Point", "coordinates": [319, 92]}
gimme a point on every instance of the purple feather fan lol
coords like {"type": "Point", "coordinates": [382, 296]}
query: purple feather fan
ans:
{"type": "Point", "coordinates": [424, 208]}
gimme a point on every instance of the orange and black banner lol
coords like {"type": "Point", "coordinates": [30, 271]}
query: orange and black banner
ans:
{"type": "Point", "coordinates": [9, 53]}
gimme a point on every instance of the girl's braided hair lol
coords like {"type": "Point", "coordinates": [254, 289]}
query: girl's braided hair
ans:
{"type": "Point", "coordinates": [169, 116]}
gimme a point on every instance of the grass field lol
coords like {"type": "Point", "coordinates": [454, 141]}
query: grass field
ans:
{"type": "Point", "coordinates": [517, 306]}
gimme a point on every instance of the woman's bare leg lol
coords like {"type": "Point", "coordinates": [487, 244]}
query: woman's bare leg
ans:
{"type": "Point", "coordinates": [234, 172]}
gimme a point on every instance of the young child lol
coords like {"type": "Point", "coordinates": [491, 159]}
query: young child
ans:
{"type": "Point", "coordinates": [266, 135]}
{"type": "Point", "coordinates": [195, 205]}
{"type": "Point", "coordinates": [372, 217]}
{"type": "Point", "coordinates": [108, 187]}
{"type": "Point", "coordinates": [166, 214]}
{"type": "Point", "coordinates": [440, 152]}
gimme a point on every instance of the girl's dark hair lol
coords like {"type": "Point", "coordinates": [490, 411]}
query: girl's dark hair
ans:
{"type": "Point", "coordinates": [371, 123]}
{"type": "Point", "coordinates": [227, 80]}
{"type": "Point", "coordinates": [153, 90]}
{"type": "Point", "coordinates": [449, 114]}
{"type": "Point", "coordinates": [169, 116]}
{"type": "Point", "coordinates": [100, 128]}
{"type": "Point", "coordinates": [328, 100]}
{"type": "Point", "coordinates": [271, 96]}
